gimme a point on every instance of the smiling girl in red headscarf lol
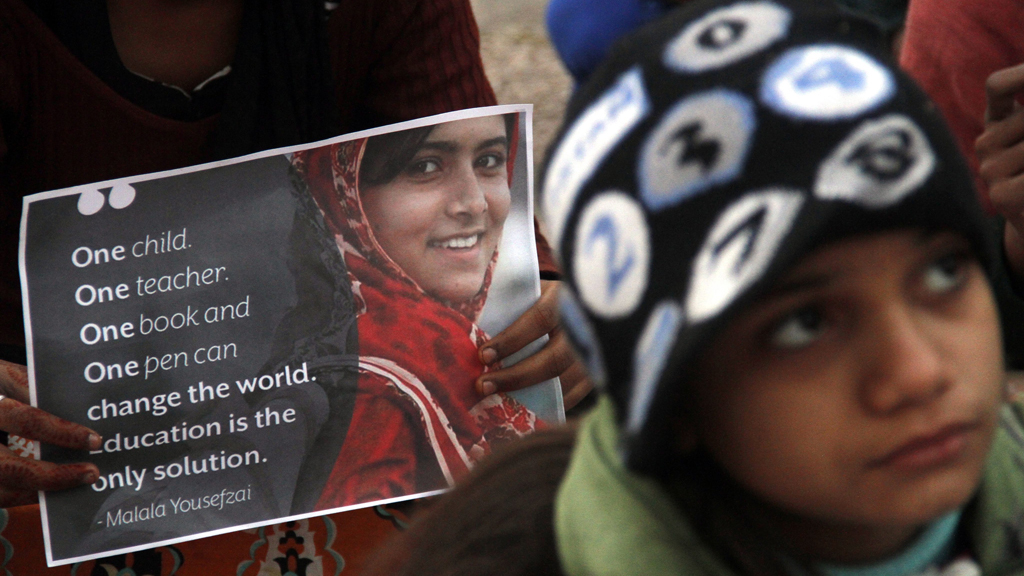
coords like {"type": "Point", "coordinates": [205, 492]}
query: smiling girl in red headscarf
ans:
{"type": "Point", "coordinates": [418, 216]}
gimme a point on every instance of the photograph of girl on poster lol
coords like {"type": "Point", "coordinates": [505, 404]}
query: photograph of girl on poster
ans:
{"type": "Point", "coordinates": [417, 216]}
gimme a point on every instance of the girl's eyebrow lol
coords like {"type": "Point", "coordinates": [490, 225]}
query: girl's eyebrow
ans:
{"type": "Point", "coordinates": [449, 146]}
{"type": "Point", "coordinates": [803, 283]}
{"type": "Point", "coordinates": [797, 285]}
{"type": "Point", "coordinates": [452, 146]}
{"type": "Point", "coordinates": [502, 140]}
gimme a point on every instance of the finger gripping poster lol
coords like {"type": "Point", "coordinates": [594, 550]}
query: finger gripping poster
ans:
{"type": "Point", "coordinates": [283, 334]}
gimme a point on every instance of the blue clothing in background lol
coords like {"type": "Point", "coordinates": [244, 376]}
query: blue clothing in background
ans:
{"type": "Point", "coordinates": [582, 31]}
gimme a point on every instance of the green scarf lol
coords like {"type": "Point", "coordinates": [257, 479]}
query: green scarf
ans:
{"type": "Point", "coordinates": [994, 520]}
{"type": "Point", "coordinates": [609, 521]}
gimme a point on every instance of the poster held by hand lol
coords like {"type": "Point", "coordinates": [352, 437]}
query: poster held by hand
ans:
{"type": "Point", "coordinates": [280, 335]}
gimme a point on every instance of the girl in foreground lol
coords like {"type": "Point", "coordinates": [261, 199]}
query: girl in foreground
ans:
{"type": "Point", "coordinates": [778, 274]}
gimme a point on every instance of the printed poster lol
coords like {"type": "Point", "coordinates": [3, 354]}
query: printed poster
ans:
{"type": "Point", "coordinates": [283, 334]}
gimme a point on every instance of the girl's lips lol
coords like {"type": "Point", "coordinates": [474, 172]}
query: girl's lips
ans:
{"type": "Point", "coordinates": [929, 450]}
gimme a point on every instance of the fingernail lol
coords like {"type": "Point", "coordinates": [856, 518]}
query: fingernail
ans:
{"type": "Point", "coordinates": [488, 388]}
{"type": "Point", "coordinates": [488, 355]}
{"type": "Point", "coordinates": [90, 477]}
{"type": "Point", "coordinates": [94, 441]}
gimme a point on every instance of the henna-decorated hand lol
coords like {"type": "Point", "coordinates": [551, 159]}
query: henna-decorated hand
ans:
{"type": "Point", "coordinates": [556, 358]}
{"type": "Point", "coordinates": [21, 478]}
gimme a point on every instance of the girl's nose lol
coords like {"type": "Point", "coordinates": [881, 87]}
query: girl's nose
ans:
{"type": "Point", "coordinates": [465, 194]}
{"type": "Point", "coordinates": [905, 364]}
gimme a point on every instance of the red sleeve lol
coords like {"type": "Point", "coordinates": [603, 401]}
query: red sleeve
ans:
{"type": "Point", "coordinates": [950, 47]}
{"type": "Point", "coordinates": [548, 266]}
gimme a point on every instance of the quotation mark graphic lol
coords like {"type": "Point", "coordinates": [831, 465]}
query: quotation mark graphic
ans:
{"type": "Point", "coordinates": [92, 200]}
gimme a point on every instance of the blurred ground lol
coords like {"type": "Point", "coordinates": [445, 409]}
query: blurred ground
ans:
{"type": "Point", "coordinates": [522, 65]}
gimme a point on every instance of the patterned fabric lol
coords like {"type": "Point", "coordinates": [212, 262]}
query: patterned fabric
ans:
{"type": "Point", "coordinates": [23, 447]}
{"type": "Point", "coordinates": [418, 423]}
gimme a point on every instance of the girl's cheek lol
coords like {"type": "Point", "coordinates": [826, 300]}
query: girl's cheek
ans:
{"type": "Point", "coordinates": [499, 201]}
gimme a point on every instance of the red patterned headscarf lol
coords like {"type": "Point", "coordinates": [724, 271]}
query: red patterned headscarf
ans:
{"type": "Point", "coordinates": [332, 175]}
{"type": "Point", "coordinates": [415, 349]}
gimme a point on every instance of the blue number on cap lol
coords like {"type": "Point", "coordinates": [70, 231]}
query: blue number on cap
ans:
{"type": "Point", "coordinates": [834, 71]}
{"type": "Point", "coordinates": [700, 142]}
{"type": "Point", "coordinates": [612, 254]}
{"type": "Point", "coordinates": [605, 229]}
{"type": "Point", "coordinates": [826, 82]}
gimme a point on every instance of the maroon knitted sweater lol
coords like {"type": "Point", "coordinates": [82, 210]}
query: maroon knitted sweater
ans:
{"type": "Point", "coordinates": [61, 126]}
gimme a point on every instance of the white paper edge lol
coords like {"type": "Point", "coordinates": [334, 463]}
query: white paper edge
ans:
{"type": "Point", "coordinates": [235, 528]}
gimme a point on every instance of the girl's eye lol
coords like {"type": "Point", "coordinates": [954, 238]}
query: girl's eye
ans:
{"type": "Point", "coordinates": [425, 166]}
{"type": "Point", "coordinates": [490, 161]}
{"type": "Point", "coordinates": [798, 329]}
{"type": "Point", "coordinates": [945, 274]}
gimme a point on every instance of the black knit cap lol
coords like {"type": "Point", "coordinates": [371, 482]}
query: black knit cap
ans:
{"type": "Point", "coordinates": [713, 149]}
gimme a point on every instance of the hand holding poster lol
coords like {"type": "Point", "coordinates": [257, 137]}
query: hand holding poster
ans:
{"type": "Point", "coordinates": [285, 333]}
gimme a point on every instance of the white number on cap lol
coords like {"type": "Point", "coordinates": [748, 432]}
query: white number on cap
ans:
{"type": "Point", "coordinates": [612, 255]}
{"type": "Point", "coordinates": [826, 82]}
{"type": "Point", "coordinates": [591, 137]}
{"type": "Point", "coordinates": [739, 249]}
{"type": "Point", "coordinates": [727, 35]}
{"type": "Point", "coordinates": [700, 142]}
{"type": "Point", "coordinates": [876, 166]}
